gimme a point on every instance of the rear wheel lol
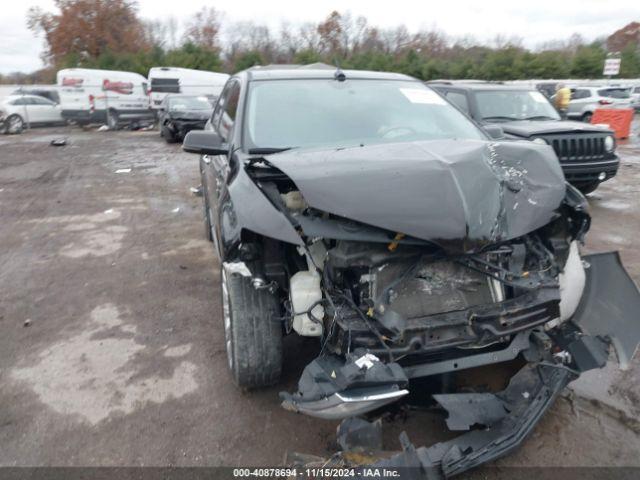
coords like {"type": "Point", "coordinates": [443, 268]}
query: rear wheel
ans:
{"type": "Point", "coordinates": [252, 332]}
{"type": "Point", "coordinates": [112, 120]}
{"type": "Point", "coordinates": [587, 188]}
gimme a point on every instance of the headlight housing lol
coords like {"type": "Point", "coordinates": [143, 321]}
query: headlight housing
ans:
{"type": "Point", "coordinates": [609, 144]}
{"type": "Point", "coordinates": [539, 141]}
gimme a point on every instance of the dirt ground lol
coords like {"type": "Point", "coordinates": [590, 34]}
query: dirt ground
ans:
{"type": "Point", "coordinates": [111, 341]}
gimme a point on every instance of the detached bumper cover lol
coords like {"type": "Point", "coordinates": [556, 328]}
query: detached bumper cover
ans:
{"type": "Point", "coordinates": [610, 306]}
{"type": "Point", "coordinates": [529, 394]}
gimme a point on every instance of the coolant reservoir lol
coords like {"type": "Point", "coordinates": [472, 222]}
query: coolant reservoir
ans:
{"type": "Point", "coordinates": [305, 291]}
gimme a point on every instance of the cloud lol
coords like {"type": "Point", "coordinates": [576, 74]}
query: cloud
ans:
{"type": "Point", "coordinates": [535, 22]}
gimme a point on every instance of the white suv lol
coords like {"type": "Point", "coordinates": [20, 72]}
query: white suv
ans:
{"type": "Point", "coordinates": [585, 100]}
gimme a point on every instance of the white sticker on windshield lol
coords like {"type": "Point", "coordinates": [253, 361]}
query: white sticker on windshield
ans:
{"type": "Point", "coordinates": [538, 97]}
{"type": "Point", "coordinates": [418, 95]}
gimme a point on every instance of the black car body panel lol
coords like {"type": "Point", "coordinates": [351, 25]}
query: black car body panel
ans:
{"type": "Point", "coordinates": [180, 122]}
{"type": "Point", "coordinates": [431, 257]}
{"type": "Point", "coordinates": [485, 192]}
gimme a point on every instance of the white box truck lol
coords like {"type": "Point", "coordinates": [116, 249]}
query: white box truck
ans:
{"type": "Point", "coordinates": [166, 80]}
{"type": "Point", "coordinates": [104, 96]}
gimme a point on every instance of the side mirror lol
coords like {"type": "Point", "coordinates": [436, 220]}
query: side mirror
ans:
{"type": "Point", "coordinates": [204, 143]}
{"type": "Point", "coordinates": [494, 131]}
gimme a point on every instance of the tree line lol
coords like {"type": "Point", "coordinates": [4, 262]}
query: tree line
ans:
{"type": "Point", "coordinates": [109, 34]}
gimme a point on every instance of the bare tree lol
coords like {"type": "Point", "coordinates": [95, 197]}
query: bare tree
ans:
{"type": "Point", "coordinates": [204, 28]}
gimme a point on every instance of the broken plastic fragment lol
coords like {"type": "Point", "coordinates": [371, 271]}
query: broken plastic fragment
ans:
{"type": "Point", "coordinates": [356, 434]}
{"type": "Point", "coordinates": [469, 409]}
{"type": "Point", "coordinates": [366, 361]}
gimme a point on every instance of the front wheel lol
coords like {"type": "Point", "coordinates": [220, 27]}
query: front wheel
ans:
{"type": "Point", "coordinates": [252, 331]}
{"type": "Point", "coordinates": [587, 117]}
{"type": "Point", "coordinates": [168, 135]}
{"type": "Point", "coordinates": [13, 124]}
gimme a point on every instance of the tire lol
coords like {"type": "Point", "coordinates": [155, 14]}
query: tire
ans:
{"type": "Point", "coordinates": [586, 117]}
{"type": "Point", "coordinates": [587, 188]}
{"type": "Point", "coordinates": [112, 120]}
{"type": "Point", "coordinates": [13, 124]}
{"type": "Point", "coordinates": [253, 336]}
{"type": "Point", "coordinates": [168, 136]}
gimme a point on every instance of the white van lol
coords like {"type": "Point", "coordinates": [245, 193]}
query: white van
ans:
{"type": "Point", "coordinates": [166, 80]}
{"type": "Point", "coordinates": [103, 96]}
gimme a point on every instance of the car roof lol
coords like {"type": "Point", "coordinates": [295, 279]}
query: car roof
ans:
{"type": "Point", "coordinates": [26, 95]}
{"type": "Point", "coordinates": [292, 72]}
{"type": "Point", "coordinates": [482, 86]}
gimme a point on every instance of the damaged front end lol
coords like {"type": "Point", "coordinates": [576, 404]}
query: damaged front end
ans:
{"type": "Point", "coordinates": [424, 268]}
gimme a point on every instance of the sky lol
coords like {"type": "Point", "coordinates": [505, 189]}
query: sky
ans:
{"type": "Point", "coordinates": [535, 21]}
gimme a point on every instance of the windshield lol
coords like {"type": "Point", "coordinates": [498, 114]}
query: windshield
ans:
{"type": "Point", "coordinates": [311, 112]}
{"type": "Point", "coordinates": [505, 105]}
{"type": "Point", "coordinates": [189, 103]}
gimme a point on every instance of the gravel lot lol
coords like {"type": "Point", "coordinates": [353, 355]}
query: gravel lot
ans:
{"type": "Point", "coordinates": [111, 341]}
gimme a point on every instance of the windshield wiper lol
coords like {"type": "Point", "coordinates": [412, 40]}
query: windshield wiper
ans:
{"type": "Point", "coordinates": [540, 117]}
{"type": "Point", "coordinates": [268, 150]}
{"type": "Point", "coordinates": [499, 117]}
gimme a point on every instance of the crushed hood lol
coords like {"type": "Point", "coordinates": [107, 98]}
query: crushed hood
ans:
{"type": "Point", "coordinates": [527, 128]}
{"type": "Point", "coordinates": [470, 190]}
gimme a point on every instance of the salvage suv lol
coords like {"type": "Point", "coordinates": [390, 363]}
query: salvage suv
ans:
{"type": "Point", "coordinates": [586, 152]}
{"type": "Point", "coordinates": [364, 210]}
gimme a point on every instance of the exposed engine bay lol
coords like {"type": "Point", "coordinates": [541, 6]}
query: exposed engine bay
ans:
{"type": "Point", "coordinates": [390, 304]}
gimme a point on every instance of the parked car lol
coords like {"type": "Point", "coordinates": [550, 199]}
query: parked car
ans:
{"type": "Point", "coordinates": [104, 96]}
{"type": "Point", "coordinates": [18, 111]}
{"type": "Point", "coordinates": [585, 100]}
{"type": "Point", "coordinates": [364, 210]}
{"type": "Point", "coordinates": [179, 114]}
{"type": "Point", "coordinates": [171, 80]}
{"type": "Point", "coordinates": [50, 93]}
{"type": "Point", "coordinates": [635, 97]}
{"type": "Point", "coordinates": [587, 153]}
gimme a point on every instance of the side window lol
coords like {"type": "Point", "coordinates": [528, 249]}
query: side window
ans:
{"type": "Point", "coordinates": [459, 99]}
{"type": "Point", "coordinates": [20, 101]}
{"type": "Point", "coordinates": [228, 107]}
{"type": "Point", "coordinates": [40, 101]}
{"type": "Point", "coordinates": [219, 106]}
{"type": "Point", "coordinates": [580, 93]}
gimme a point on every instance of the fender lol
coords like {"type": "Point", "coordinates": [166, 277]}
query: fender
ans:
{"type": "Point", "coordinates": [243, 206]}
